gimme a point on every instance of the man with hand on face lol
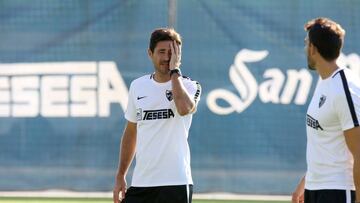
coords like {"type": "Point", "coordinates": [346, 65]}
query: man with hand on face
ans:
{"type": "Point", "coordinates": [159, 115]}
{"type": "Point", "coordinates": [333, 115]}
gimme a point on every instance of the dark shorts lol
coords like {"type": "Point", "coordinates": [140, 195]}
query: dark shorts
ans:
{"type": "Point", "coordinates": [160, 194]}
{"type": "Point", "coordinates": [329, 196]}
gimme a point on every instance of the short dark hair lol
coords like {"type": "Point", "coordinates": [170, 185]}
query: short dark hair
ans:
{"type": "Point", "coordinates": [327, 36]}
{"type": "Point", "coordinates": [163, 34]}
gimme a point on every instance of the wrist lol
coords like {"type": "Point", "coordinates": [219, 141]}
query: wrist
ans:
{"type": "Point", "coordinates": [120, 175]}
{"type": "Point", "coordinates": [175, 71]}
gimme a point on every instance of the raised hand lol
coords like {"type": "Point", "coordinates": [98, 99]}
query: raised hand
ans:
{"type": "Point", "coordinates": [175, 60]}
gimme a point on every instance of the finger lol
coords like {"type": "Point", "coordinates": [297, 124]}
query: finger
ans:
{"type": "Point", "coordinates": [179, 48]}
{"type": "Point", "coordinates": [295, 200]}
{"type": "Point", "coordinates": [179, 52]}
{"type": "Point", "coordinates": [123, 191]}
{"type": "Point", "coordinates": [172, 49]}
{"type": "Point", "coordinates": [115, 196]}
{"type": "Point", "coordinates": [176, 52]}
{"type": "Point", "coordinates": [176, 49]}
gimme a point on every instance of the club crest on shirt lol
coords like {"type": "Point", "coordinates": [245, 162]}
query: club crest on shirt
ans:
{"type": "Point", "coordinates": [169, 95]}
{"type": "Point", "coordinates": [322, 100]}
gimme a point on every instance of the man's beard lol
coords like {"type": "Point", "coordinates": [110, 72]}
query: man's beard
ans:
{"type": "Point", "coordinates": [311, 67]}
{"type": "Point", "coordinates": [311, 64]}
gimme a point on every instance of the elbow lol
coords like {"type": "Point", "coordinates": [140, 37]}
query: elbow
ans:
{"type": "Point", "coordinates": [184, 106]}
{"type": "Point", "coordinates": [185, 110]}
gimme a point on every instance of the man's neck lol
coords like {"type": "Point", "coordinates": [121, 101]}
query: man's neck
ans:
{"type": "Point", "coordinates": [161, 78]}
{"type": "Point", "coordinates": [325, 69]}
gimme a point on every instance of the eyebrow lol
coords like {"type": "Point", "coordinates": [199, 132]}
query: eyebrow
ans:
{"type": "Point", "coordinates": [162, 49]}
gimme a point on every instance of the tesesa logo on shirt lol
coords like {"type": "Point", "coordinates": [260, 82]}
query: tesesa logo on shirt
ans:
{"type": "Point", "coordinates": [312, 122]}
{"type": "Point", "coordinates": [155, 114]}
{"type": "Point", "coordinates": [60, 89]}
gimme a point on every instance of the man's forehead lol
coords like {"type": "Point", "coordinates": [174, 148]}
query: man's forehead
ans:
{"type": "Point", "coordinates": [163, 44]}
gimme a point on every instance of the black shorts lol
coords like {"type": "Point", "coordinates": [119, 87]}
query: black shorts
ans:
{"type": "Point", "coordinates": [159, 194]}
{"type": "Point", "coordinates": [329, 196]}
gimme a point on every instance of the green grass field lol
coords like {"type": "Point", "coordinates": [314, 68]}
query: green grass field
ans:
{"type": "Point", "coordinates": [107, 200]}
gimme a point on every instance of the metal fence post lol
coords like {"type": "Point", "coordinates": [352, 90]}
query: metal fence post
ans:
{"type": "Point", "coordinates": [172, 13]}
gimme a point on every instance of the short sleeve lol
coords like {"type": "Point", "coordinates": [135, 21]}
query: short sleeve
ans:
{"type": "Point", "coordinates": [194, 89]}
{"type": "Point", "coordinates": [347, 107]}
{"type": "Point", "coordinates": [130, 113]}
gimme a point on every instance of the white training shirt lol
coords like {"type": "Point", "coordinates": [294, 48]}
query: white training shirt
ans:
{"type": "Point", "coordinates": [334, 108]}
{"type": "Point", "coordinates": [162, 150]}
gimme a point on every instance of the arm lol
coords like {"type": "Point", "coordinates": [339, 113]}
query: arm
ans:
{"type": "Point", "coordinates": [352, 138]}
{"type": "Point", "coordinates": [183, 102]}
{"type": "Point", "coordinates": [298, 194]}
{"type": "Point", "coordinates": [126, 155]}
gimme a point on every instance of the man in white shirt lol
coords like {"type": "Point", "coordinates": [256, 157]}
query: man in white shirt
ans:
{"type": "Point", "coordinates": [333, 132]}
{"type": "Point", "coordinates": [159, 115]}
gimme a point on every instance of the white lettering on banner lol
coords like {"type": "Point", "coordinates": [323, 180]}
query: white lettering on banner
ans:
{"type": "Point", "coordinates": [25, 96]}
{"type": "Point", "coordinates": [55, 98]}
{"type": "Point", "coordinates": [112, 88]}
{"type": "Point", "coordinates": [244, 82]}
{"type": "Point", "coordinates": [5, 97]}
{"type": "Point", "coordinates": [66, 89]}
{"type": "Point", "coordinates": [274, 89]}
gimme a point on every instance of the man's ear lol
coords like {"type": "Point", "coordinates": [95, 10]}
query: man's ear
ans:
{"type": "Point", "coordinates": [150, 53]}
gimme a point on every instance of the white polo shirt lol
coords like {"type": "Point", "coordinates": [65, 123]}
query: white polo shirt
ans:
{"type": "Point", "coordinates": [162, 150]}
{"type": "Point", "coordinates": [334, 108]}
